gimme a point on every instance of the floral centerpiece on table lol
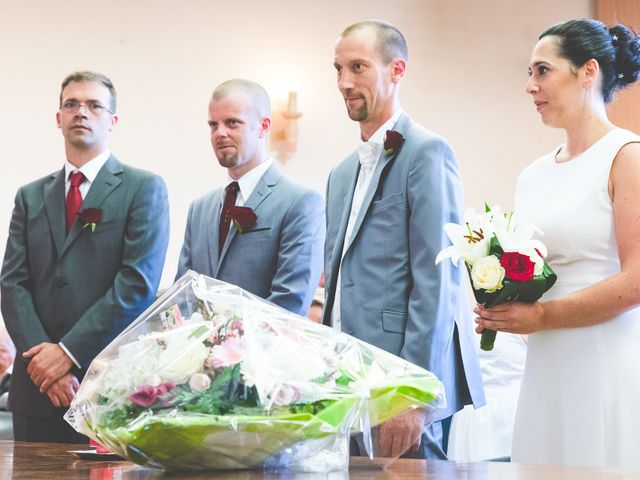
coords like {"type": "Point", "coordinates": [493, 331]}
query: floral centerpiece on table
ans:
{"type": "Point", "coordinates": [504, 261]}
{"type": "Point", "coordinates": [212, 377]}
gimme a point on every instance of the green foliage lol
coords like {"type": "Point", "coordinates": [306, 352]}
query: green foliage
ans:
{"type": "Point", "coordinates": [312, 408]}
{"type": "Point", "coordinates": [120, 417]}
{"type": "Point", "coordinates": [226, 394]}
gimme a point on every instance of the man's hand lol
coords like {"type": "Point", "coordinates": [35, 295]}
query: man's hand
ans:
{"type": "Point", "coordinates": [48, 364]}
{"type": "Point", "coordinates": [402, 433]}
{"type": "Point", "coordinates": [63, 390]}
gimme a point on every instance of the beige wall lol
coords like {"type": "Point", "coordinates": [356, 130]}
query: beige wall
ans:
{"type": "Point", "coordinates": [468, 66]}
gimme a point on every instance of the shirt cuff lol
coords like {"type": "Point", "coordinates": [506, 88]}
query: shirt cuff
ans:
{"type": "Point", "coordinates": [73, 359]}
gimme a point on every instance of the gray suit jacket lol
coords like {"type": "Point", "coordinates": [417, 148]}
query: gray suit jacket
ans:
{"type": "Point", "coordinates": [85, 287]}
{"type": "Point", "coordinates": [392, 293]}
{"type": "Point", "coordinates": [280, 258]}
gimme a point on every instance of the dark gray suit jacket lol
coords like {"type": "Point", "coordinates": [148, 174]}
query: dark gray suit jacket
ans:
{"type": "Point", "coordinates": [392, 293]}
{"type": "Point", "coordinates": [280, 258]}
{"type": "Point", "coordinates": [85, 287]}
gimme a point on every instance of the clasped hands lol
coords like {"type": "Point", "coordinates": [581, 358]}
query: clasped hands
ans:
{"type": "Point", "coordinates": [49, 368]}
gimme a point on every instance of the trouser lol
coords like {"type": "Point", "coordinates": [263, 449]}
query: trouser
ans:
{"type": "Point", "coordinates": [52, 429]}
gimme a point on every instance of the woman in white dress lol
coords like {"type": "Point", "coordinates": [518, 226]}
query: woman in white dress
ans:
{"type": "Point", "coordinates": [580, 395]}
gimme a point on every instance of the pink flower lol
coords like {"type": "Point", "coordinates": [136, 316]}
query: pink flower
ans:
{"type": "Point", "coordinates": [147, 395]}
{"type": "Point", "coordinates": [199, 382]}
{"type": "Point", "coordinates": [286, 396]}
{"type": "Point", "coordinates": [226, 354]}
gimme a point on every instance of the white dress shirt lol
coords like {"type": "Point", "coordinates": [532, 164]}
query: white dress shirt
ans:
{"type": "Point", "coordinates": [247, 182]}
{"type": "Point", "coordinates": [90, 171]}
{"type": "Point", "coordinates": [369, 155]}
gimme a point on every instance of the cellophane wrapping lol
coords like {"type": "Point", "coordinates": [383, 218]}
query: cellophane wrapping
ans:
{"type": "Point", "coordinates": [213, 377]}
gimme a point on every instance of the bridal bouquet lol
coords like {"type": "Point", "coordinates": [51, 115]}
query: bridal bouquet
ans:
{"type": "Point", "coordinates": [212, 377]}
{"type": "Point", "coordinates": [504, 261]}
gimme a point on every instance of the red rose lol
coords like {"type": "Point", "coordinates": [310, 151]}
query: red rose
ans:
{"type": "Point", "coordinates": [243, 218]}
{"type": "Point", "coordinates": [517, 267]}
{"type": "Point", "coordinates": [392, 142]}
{"type": "Point", "coordinates": [90, 217]}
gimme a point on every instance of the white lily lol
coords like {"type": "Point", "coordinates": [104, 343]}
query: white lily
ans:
{"type": "Point", "coordinates": [470, 240]}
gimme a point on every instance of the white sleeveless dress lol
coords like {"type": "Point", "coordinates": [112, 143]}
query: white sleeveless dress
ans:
{"type": "Point", "coordinates": [580, 396]}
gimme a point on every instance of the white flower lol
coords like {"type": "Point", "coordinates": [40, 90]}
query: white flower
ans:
{"type": "Point", "coordinates": [487, 274]}
{"type": "Point", "coordinates": [538, 261]}
{"type": "Point", "coordinates": [183, 356]}
{"type": "Point", "coordinates": [178, 364]}
{"type": "Point", "coordinates": [470, 240]}
{"type": "Point", "coordinates": [199, 381]}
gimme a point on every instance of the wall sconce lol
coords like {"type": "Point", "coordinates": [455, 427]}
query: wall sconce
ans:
{"type": "Point", "coordinates": [284, 129]}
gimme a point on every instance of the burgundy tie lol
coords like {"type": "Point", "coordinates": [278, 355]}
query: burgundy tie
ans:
{"type": "Point", "coordinates": [74, 198]}
{"type": "Point", "coordinates": [231, 193]}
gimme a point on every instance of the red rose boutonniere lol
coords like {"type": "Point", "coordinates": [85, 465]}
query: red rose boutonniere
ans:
{"type": "Point", "coordinates": [90, 217]}
{"type": "Point", "coordinates": [392, 142]}
{"type": "Point", "coordinates": [243, 218]}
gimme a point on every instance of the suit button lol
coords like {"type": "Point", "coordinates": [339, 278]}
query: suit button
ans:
{"type": "Point", "coordinates": [60, 283]}
{"type": "Point", "coordinates": [348, 284]}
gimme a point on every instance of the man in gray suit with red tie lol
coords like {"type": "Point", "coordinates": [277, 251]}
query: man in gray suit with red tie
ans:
{"type": "Point", "coordinates": [386, 206]}
{"type": "Point", "coordinates": [263, 232]}
{"type": "Point", "coordinates": [84, 257]}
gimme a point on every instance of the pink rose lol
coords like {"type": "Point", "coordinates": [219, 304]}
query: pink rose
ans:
{"type": "Point", "coordinates": [199, 382]}
{"type": "Point", "coordinates": [147, 395]}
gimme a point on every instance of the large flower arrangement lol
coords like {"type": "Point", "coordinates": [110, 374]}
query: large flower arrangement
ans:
{"type": "Point", "coordinates": [211, 377]}
{"type": "Point", "coordinates": [504, 260]}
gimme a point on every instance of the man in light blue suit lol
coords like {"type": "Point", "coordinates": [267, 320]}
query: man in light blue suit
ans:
{"type": "Point", "coordinates": [263, 231]}
{"type": "Point", "coordinates": [386, 206]}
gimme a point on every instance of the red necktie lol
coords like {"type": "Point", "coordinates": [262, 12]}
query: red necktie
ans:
{"type": "Point", "coordinates": [231, 193]}
{"type": "Point", "coordinates": [74, 198]}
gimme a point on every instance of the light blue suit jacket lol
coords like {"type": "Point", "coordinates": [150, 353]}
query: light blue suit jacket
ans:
{"type": "Point", "coordinates": [279, 258]}
{"type": "Point", "coordinates": [392, 293]}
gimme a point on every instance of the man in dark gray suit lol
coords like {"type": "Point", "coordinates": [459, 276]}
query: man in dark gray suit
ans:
{"type": "Point", "coordinates": [263, 231]}
{"type": "Point", "coordinates": [386, 206]}
{"type": "Point", "coordinates": [84, 257]}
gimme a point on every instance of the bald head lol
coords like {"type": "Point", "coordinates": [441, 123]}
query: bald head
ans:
{"type": "Point", "coordinates": [390, 42]}
{"type": "Point", "coordinates": [261, 105]}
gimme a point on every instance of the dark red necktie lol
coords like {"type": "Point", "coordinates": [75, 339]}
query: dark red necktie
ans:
{"type": "Point", "coordinates": [74, 198]}
{"type": "Point", "coordinates": [231, 193]}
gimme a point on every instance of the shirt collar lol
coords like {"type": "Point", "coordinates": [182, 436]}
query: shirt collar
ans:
{"type": "Point", "coordinates": [249, 180]}
{"type": "Point", "coordinates": [90, 169]}
{"type": "Point", "coordinates": [378, 136]}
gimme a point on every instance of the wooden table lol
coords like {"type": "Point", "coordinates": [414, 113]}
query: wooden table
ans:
{"type": "Point", "coordinates": [35, 461]}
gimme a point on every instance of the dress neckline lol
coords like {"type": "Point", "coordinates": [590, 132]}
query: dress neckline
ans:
{"type": "Point", "coordinates": [577, 157]}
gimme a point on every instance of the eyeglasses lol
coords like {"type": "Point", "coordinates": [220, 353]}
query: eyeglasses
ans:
{"type": "Point", "coordinates": [93, 107]}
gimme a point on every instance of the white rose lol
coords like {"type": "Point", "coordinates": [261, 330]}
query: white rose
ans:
{"type": "Point", "coordinates": [181, 360]}
{"type": "Point", "coordinates": [199, 382]}
{"type": "Point", "coordinates": [487, 274]}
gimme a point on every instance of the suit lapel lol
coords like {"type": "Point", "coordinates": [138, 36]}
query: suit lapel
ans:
{"type": "Point", "coordinates": [106, 181]}
{"type": "Point", "coordinates": [213, 235]}
{"type": "Point", "coordinates": [384, 160]}
{"type": "Point", "coordinates": [54, 204]}
{"type": "Point", "coordinates": [259, 194]}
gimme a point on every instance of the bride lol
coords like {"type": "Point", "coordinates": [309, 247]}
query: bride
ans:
{"type": "Point", "coordinates": [580, 395]}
